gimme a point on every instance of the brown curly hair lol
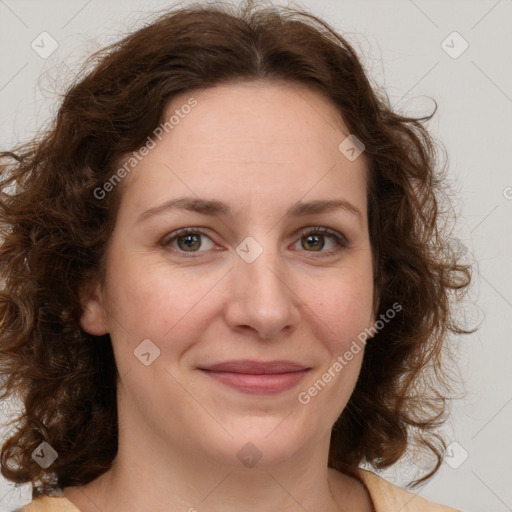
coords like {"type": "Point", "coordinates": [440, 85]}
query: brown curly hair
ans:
{"type": "Point", "coordinates": [55, 230]}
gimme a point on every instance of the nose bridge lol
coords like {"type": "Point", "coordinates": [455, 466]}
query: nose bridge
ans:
{"type": "Point", "coordinates": [262, 264]}
{"type": "Point", "coordinates": [264, 299]}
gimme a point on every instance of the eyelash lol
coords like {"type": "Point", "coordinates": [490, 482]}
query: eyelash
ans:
{"type": "Point", "coordinates": [339, 239]}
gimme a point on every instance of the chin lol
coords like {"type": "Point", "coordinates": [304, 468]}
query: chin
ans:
{"type": "Point", "coordinates": [263, 442]}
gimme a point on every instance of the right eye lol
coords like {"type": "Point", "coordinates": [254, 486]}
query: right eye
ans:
{"type": "Point", "coordinates": [185, 240]}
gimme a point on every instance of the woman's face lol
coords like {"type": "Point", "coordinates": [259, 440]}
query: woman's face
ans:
{"type": "Point", "coordinates": [245, 283]}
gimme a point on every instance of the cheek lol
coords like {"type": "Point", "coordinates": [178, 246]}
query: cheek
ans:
{"type": "Point", "coordinates": [148, 299]}
{"type": "Point", "coordinates": [343, 309]}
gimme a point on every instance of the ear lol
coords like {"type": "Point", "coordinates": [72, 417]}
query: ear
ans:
{"type": "Point", "coordinates": [94, 316]}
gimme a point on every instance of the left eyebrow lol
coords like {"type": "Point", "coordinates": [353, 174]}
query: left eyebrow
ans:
{"type": "Point", "coordinates": [218, 208]}
{"type": "Point", "coordinates": [301, 209]}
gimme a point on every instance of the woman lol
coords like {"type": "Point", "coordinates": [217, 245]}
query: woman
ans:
{"type": "Point", "coordinates": [225, 278]}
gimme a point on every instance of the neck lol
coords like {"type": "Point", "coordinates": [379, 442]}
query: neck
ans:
{"type": "Point", "coordinates": [138, 481]}
{"type": "Point", "coordinates": [146, 476]}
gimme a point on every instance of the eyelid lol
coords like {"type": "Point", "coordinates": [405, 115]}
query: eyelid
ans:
{"type": "Point", "coordinates": [339, 238]}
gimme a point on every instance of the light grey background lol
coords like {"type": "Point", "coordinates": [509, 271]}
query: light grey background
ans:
{"type": "Point", "coordinates": [401, 45]}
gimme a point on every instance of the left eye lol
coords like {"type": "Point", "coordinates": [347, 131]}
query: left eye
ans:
{"type": "Point", "coordinates": [315, 236]}
{"type": "Point", "coordinates": [189, 240]}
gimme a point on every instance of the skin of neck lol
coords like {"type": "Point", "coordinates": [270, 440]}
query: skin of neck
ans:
{"type": "Point", "coordinates": [179, 478]}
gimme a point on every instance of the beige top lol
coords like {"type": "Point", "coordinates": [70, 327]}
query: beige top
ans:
{"type": "Point", "coordinates": [385, 496]}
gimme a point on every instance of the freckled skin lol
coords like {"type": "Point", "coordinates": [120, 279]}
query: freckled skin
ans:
{"type": "Point", "coordinates": [259, 147]}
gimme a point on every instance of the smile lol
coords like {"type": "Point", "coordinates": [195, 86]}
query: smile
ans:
{"type": "Point", "coordinates": [258, 384]}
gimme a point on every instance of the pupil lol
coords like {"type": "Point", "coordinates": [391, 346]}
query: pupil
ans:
{"type": "Point", "coordinates": [189, 242]}
{"type": "Point", "coordinates": [314, 237]}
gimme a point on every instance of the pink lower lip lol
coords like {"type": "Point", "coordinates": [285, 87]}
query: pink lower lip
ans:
{"type": "Point", "coordinates": [262, 384]}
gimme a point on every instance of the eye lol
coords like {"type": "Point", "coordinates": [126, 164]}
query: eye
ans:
{"type": "Point", "coordinates": [189, 240]}
{"type": "Point", "coordinates": [314, 238]}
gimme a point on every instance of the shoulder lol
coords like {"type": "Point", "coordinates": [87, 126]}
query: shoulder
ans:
{"type": "Point", "coordinates": [389, 498]}
{"type": "Point", "coordinates": [49, 504]}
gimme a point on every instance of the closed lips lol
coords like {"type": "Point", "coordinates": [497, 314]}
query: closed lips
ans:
{"type": "Point", "coordinates": [256, 367]}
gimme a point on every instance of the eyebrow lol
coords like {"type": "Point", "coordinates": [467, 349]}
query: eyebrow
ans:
{"type": "Point", "coordinates": [218, 208]}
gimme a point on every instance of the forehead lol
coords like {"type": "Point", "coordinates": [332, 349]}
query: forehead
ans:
{"type": "Point", "coordinates": [253, 140]}
{"type": "Point", "coordinates": [260, 118]}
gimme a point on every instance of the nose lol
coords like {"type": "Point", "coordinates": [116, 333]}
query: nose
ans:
{"type": "Point", "coordinates": [261, 296]}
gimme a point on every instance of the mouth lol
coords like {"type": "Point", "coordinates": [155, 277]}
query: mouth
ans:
{"type": "Point", "coordinates": [259, 378]}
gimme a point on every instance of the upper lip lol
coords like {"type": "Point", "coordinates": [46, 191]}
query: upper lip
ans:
{"type": "Point", "coordinates": [256, 367]}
